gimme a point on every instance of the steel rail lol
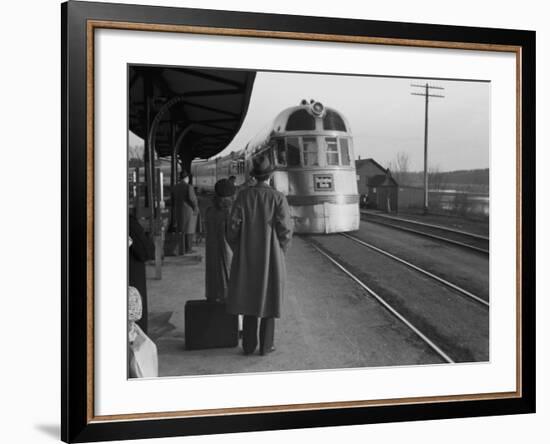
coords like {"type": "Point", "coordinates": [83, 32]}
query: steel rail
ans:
{"type": "Point", "coordinates": [424, 224]}
{"type": "Point", "coordinates": [420, 270]}
{"type": "Point", "coordinates": [432, 236]}
{"type": "Point", "coordinates": [386, 305]}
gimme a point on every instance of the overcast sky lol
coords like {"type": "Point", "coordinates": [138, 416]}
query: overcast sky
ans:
{"type": "Point", "coordinates": [384, 117]}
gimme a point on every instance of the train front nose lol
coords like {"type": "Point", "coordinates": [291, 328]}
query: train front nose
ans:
{"type": "Point", "coordinates": [323, 200]}
{"type": "Point", "coordinates": [325, 217]}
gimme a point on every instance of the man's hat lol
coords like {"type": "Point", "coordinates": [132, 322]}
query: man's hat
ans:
{"type": "Point", "coordinates": [184, 174]}
{"type": "Point", "coordinates": [262, 166]}
{"type": "Point", "coordinates": [224, 188]}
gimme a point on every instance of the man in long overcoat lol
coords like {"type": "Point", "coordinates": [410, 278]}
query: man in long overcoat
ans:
{"type": "Point", "coordinates": [259, 233]}
{"type": "Point", "coordinates": [186, 208]}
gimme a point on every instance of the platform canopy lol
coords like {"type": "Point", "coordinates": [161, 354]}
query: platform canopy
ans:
{"type": "Point", "coordinates": [203, 108]}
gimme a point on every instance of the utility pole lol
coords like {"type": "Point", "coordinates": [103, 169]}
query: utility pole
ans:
{"type": "Point", "coordinates": [426, 94]}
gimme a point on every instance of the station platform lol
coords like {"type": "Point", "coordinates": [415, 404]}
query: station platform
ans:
{"type": "Point", "coordinates": [327, 322]}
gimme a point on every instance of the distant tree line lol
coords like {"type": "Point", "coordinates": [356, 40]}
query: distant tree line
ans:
{"type": "Point", "coordinates": [475, 180]}
{"type": "Point", "coordinates": [458, 177]}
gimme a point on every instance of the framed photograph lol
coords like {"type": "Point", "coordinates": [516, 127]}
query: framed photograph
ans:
{"type": "Point", "coordinates": [275, 221]}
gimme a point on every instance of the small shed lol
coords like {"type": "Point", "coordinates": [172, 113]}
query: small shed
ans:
{"type": "Point", "coordinates": [377, 187]}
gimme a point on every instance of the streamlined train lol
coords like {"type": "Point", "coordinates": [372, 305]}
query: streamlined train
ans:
{"type": "Point", "coordinates": [311, 149]}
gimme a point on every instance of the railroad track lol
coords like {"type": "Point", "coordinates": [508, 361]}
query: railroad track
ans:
{"type": "Point", "coordinates": [415, 315]}
{"type": "Point", "coordinates": [424, 272]}
{"type": "Point", "coordinates": [452, 236]}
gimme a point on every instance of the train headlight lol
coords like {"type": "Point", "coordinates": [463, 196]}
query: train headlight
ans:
{"type": "Point", "coordinates": [317, 108]}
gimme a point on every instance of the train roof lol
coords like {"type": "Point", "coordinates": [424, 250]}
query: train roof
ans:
{"type": "Point", "coordinates": [307, 116]}
{"type": "Point", "coordinates": [304, 116]}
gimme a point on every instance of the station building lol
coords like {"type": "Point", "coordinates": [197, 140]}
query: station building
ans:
{"type": "Point", "coordinates": [376, 186]}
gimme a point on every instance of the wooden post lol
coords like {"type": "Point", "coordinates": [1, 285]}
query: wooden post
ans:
{"type": "Point", "coordinates": [426, 95]}
{"type": "Point", "coordinates": [152, 199]}
{"type": "Point", "coordinates": [173, 158]}
{"type": "Point", "coordinates": [159, 245]}
{"type": "Point", "coordinates": [426, 153]}
{"type": "Point", "coordinates": [149, 160]}
{"type": "Point", "coordinates": [138, 186]}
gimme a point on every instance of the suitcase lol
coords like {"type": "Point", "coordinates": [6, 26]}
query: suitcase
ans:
{"type": "Point", "coordinates": [208, 325]}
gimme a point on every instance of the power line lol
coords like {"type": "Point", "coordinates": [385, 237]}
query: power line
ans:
{"type": "Point", "coordinates": [426, 94]}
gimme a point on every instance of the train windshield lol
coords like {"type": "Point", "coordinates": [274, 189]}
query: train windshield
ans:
{"type": "Point", "coordinates": [310, 151]}
{"type": "Point", "coordinates": [337, 151]}
{"type": "Point", "coordinates": [332, 151]}
{"type": "Point", "coordinates": [344, 150]}
{"type": "Point", "coordinates": [293, 151]}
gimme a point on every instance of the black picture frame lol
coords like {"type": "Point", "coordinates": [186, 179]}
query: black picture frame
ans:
{"type": "Point", "coordinates": [77, 421]}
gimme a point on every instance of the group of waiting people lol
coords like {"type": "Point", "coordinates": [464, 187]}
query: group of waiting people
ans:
{"type": "Point", "coordinates": [248, 232]}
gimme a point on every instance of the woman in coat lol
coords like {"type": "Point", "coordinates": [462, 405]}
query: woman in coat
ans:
{"type": "Point", "coordinates": [218, 251]}
{"type": "Point", "coordinates": [259, 234]}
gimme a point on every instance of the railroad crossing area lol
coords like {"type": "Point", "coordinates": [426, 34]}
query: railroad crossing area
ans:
{"type": "Point", "coordinates": [346, 305]}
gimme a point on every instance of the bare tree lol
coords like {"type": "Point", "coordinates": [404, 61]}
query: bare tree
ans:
{"type": "Point", "coordinates": [135, 152]}
{"type": "Point", "coordinates": [400, 168]}
{"type": "Point", "coordinates": [436, 178]}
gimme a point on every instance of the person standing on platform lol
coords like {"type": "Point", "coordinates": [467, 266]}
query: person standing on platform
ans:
{"type": "Point", "coordinates": [218, 251]}
{"type": "Point", "coordinates": [141, 250]}
{"type": "Point", "coordinates": [259, 233]}
{"type": "Point", "coordinates": [186, 208]}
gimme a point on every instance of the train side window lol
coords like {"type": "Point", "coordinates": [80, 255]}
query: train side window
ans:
{"type": "Point", "coordinates": [332, 151]}
{"type": "Point", "coordinates": [293, 151]}
{"type": "Point", "coordinates": [310, 151]}
{"type": "Point", "coordinates": [280, 151]}
{"type": "Point", "coordinates": [344, 150]}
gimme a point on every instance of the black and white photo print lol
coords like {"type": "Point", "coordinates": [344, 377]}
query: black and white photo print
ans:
{"type": "Point", "coordinates": [290, 221]}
